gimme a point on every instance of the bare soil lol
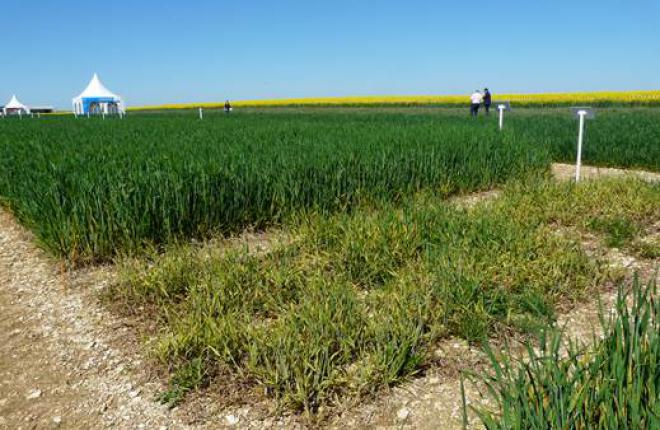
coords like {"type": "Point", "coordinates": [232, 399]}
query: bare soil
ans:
{"type": "Point", "coordinates": [565, 172]}
{"type": "Point", "coordinates": [66, 362]}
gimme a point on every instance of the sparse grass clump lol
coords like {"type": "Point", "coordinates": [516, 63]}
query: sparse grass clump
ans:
{"type": "Point", "coordinates": [614, 384]}
{"type": "Point", "coordinates": [356, 301]}
{"type": "Point", "coordinates": [622, 213]}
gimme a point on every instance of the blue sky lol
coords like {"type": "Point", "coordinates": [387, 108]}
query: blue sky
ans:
{"type": "Point", "coordinates": [163, 51]}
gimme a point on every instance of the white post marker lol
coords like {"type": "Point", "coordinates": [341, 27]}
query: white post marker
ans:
{"type": "Point", "coordinates": [201, 113]}
{"type": "Point", "coordinates": [582, 114]}
{"type": "Point", "coordinates": [501, 107]}
{"type": "Point", "coordinates": [578, 162]}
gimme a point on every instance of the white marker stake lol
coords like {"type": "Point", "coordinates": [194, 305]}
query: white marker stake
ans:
{"type": "Point", "coordinates": [578, 163]}
{"type": "Point", "coordinates": [501, 109]}
{"type": "Point", "coordinates": [201, 113]}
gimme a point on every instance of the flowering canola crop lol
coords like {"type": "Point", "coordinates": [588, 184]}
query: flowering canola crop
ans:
{"type": "Point", "coordinates": [603, 98]}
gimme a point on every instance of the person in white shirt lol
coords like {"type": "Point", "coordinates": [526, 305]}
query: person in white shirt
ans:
{"type": "Point", "coordinates": [476, 98]}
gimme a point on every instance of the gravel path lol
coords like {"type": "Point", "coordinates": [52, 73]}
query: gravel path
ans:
{"type": "Point", "coordinates": [567, 172]}
{"type": "Point", "coordinates": [59, 361]}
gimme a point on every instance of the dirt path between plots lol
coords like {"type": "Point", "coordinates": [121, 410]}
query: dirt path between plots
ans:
{"type": "Point", "coordinates": [565, 172]}
{"type": "Point", "coordinates": [67, 363]}
{"type": "Point", "coordinates": [62, 363]}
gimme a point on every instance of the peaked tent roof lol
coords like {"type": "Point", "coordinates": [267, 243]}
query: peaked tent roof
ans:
{"type": "Point", "coordinates": [15, 104]}
{"type": "Point", "coordinates": [96, 89]}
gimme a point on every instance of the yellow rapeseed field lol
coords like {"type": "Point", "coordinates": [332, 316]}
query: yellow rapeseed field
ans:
{"type": "Point", "coordinates": [650, 97]}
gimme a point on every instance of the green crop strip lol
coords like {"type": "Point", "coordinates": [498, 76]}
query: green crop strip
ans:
{"type": "Point", "coordinates": [91, 189]}
{"type": "Point", "coordinates": [616, 137]}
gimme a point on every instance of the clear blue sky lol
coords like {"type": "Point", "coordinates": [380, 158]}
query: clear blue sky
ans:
{"type": "Point", "coordinates": [206, 50]}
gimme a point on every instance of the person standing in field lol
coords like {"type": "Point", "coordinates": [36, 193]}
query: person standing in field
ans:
{"type": "Point", "coordinates": [476, 98]}
{"type": "Point", "coordinates": [487, 101]}
{"type": "Point", "coordinates": [227, 106]}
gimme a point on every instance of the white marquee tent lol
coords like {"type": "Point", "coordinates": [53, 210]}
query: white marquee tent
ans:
{"type": "Point", "coordinates": [97, 99]}
{"type": "Point", "coordinates": [14, 106]}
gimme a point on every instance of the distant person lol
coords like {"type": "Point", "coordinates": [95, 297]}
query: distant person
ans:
{"type": "Point", "coordinates": [227, 106]}
{"type": "Point", "coordinates": [487, 101]}
{"type": "Point", "coordinates": [476, 98]}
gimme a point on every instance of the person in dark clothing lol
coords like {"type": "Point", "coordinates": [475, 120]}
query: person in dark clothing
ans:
{"type": "Point", "coordinates": [487, 100]}
{"type": "Point", "coordinates": [227, 106]}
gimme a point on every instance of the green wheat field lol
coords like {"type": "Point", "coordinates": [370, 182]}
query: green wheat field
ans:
{"type": "Point", "coordinates": [367, 262]}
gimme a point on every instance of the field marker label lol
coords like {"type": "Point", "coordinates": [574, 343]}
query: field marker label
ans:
{"type": "Point", "coordinates": [501, 107]}
{"type": "Point", "coordinates": [581, 113]}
